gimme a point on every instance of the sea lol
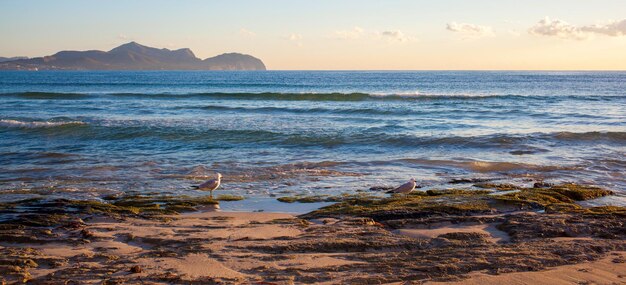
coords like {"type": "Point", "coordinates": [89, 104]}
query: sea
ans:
{"type": "Point", "coordinates": [91, 134]}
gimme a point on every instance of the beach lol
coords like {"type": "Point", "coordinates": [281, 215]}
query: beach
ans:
{"type": "Point", "coordinates": [452, 236]}
{"type": "Point", "coordinates": [519, 177]}
{"type": "Point", "coordinates": [312, 142]}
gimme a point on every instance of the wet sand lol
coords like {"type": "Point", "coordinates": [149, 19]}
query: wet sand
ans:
{"type": "Point", "coordinates": [609, 270]}
{"type": "Point", "coordinates": [398, 246]}
{"type": "Point", "coordinates": [279, 248]}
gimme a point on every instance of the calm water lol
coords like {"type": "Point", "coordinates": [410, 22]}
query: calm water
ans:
{"type": "Point", "coordinates": [88, 134]}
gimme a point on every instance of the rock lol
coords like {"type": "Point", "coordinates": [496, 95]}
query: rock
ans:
{"type": "Point", "coordinates": [470, 180]}
{"type": "Point", "coordinates": [136, 269]}
{"type": "Point", "coordinates": [30, 263]}
{"type": "Point", "coordinates": [464, 236]}
{"type": "Point", "coordinates": [381, 188]}
{"type": "Point", "coordinates": [87, 234]}
{"type": "Point", "coordinates": [360, 221]}
{"type": "Point", "coordinates": [440, 242]}
{"type": "Point", "coordinates": [542, 184]}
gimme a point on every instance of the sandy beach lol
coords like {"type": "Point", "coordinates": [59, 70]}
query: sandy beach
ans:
{"type": "Point", "coordinates": [429, 237]}
{"type": "Point", "coordinates": [609, 270]}
{"type": "Point", "coordinates": [312, 142]}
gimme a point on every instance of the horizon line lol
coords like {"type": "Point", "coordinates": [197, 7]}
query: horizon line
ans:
{"type": "Point", "coordinates": [334, 70]}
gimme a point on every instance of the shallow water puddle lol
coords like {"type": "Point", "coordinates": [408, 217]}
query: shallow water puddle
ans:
{"type": "Point", "coordinates": [490, 232]}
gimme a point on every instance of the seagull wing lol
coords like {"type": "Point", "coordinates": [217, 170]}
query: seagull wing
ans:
{"type": "Point", "coordinates": [404, 188]}
{"type": "Point", "coordinates": [209, 185]}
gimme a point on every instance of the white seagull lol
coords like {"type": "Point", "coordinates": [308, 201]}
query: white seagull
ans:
{"type": "Point", "coordinates": [405, 188]}
{"type": "Point", "coordinates": [210, 185]}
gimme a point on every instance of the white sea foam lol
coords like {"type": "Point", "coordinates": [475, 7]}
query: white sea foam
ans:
{"type": "Point", "coordinates": [36, 124]}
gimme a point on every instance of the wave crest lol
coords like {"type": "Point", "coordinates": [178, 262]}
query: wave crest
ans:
{"type": "Point", "coordinates": [37, 124]}
{"type": "Point", "coordinates": [293, 96]}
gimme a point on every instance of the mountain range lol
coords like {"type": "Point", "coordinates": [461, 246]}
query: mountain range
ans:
{"type": "Point", "coordinates": [133, 56]}
{"type": "Point", "coordinates": [3, 59]}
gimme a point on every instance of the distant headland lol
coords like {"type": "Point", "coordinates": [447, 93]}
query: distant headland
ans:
{"type": "Point", "coordinates": [133, 56]}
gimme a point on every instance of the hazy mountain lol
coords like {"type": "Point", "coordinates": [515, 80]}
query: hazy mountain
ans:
{"type": "Point", "coordinates": [133, 56]}
{"type": "Point", "coordinates": [3, 59]}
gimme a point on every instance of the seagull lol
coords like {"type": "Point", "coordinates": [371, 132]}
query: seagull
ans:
{"type": "Point", "coordinates": [209, 185]}
{"type": "Point", "coordinates": [405, 188]}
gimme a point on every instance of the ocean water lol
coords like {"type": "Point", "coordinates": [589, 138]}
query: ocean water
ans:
{"type": "Point", "coordinates": [84, 135]}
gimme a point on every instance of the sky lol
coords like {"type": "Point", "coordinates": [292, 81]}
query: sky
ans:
{"type": "Point", "coordinates": [337, 34]}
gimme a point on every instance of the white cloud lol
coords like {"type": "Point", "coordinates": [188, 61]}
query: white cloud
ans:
{"type": "Point", "coordinates": [296, 38]}
{"type": "Point", "coordinates": [124, 37]}
{"type": "Point", "coordinates": [556, 28]}
{"type": "Point", "coordinates": [470, 30]}
{"type": "Point", "coordinates": [514, 32]}
{"type": "Point", "coordinates": [562, 29]}
{"type": "Point", "coordinates": [247, 33]}
{"type": "Point", "coordinates": [293, 37]}
{"type": "Point", "coordinates": [395, 36]}
{"type": "Point", "coordinates": [357, 33]}
{"type": "Point", "coordinates": [612, 29]}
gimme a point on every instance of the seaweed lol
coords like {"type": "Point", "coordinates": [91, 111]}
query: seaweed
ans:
{"type": "Point", "coordinates": [565, 193]}
{"type": "Point", "coordinates": [320, 198]}
{"type": "Point", "coordinates": [40, 213]}
{"type": "Point", "coordinates": [418, 204]}
{"type": "Point", "coordinates": [452, 192]}
{"type": "Point", "coordinates": [498, 187]}
{"type": "Point", "coordinates": [226, 197]}
{"type": "Point", "coordinates": [308, 199]}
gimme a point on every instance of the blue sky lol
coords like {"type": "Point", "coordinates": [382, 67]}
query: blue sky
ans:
{"type": "Point", "coordinates": [335, 34]}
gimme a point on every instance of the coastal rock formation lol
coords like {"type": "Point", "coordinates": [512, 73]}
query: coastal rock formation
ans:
{"type": "Point", "coordinates": [426, 236]}
{"type": "Point", "coordinates": [133, 56]}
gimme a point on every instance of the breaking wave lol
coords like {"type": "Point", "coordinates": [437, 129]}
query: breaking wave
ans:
{"type": "Point", "coordinates": [294, 96]}
{"type": "Point", "coordinates": [37, 124]}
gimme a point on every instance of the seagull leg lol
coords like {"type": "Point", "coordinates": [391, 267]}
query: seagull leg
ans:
{"type": "Point", "coordinates": [211, 194]}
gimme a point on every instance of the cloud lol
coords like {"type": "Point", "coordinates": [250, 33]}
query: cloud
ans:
{"type": "Point", "coordinates": [470, 30]}
{"type": "Point", "coordinates": [293, 37]}
{"type": "Point", "coordinates": [247, 33]}
{"type": "Point", "coordinates": [561, 29]}
{"type": "Point", "coordinates": [357, 33]}
{"type": "Point", "coordinates": [556, 28]}
{"type": "Point", "coordinates": [514, 32]}
{"type": "Point", "coordinates": [395, 36]}
{"type": "Point", "coordinates": [612, 29]}
{"type": "Point", "coordinates": [297, 38]}
{"type": "Point", "coordinates": [124, 37]}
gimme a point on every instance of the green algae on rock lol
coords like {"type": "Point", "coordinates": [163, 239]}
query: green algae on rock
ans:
{"type": "Point", "coordinates": [458, 192]}
{"type": "Point", "coordinates": [401, 206]}
{"type": "Point", "coordinates": [372, 241]}
{"type": "Point", "coordinates": [308, 199]}
{"type": "Point", "coordinates": [226, 197]}
{"type": "Point", "coordinates": [40, 213]}
{"type": "Point", "coordinates": [320, 198]}
{"type": "Point", "coordinates": [463, 202]}
{"type": "Point", "coordinates": [542, 197]}
{"type": "Point", "coordinates": [499, 187]}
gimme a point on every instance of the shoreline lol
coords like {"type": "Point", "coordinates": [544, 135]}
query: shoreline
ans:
{"type": "Point", "coordinates": [608, 270]}
{"type": "Point", "coordinates": [463, 236]}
